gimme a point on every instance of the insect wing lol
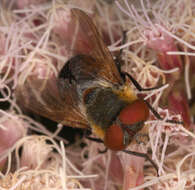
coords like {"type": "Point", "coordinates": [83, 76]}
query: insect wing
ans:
{"type": "Point", "coordinates": [42, 97]}
{"type": "Point", "coordinates": [85, 39]}
{"type": "Point", "coordinates": [61, 103]}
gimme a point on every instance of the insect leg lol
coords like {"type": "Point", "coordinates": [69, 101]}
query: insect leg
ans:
{"type": "Point", "coordinates": [88, 132]}
{"type": "Point", "coordinates": [156, 114]}
{"type": "Point", "coordinates": [98, 141]}
{"type": "Point", "coordinates": [137, 85]}
{"type": "Point", "coordinates": [143, 155]}
{"type": "Point", "coordinates": [94, 139]}
{"type": "Point", "coordinates": [123, 42]}
{"type": "Point", "coordinates": [103, 151]}
{"type": "Point", "coordinates": [118, 60]}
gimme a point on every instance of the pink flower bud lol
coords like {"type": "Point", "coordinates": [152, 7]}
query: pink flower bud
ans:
{"type": "Point", "coordinates": [11, 130]}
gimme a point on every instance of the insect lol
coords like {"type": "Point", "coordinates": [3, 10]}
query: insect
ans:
{"type": "Point", "coordinates": [90, 91]}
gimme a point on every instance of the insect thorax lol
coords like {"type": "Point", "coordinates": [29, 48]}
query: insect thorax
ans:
{"type": "Point", "coordinates": [102, 106]}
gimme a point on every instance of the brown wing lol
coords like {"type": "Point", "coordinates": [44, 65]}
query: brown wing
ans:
{"type": "Point", "coordinates": [83, 38]}
{"type": "Point", "coordinates": [42, 97]}
{"type": "Point", "coordinates": [61, 103]}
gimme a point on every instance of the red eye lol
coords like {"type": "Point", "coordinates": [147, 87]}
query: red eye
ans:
{"type": "Point", "coordinates": [135, 112]}
{"type": "Point", "coordinates": [114, 138]}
